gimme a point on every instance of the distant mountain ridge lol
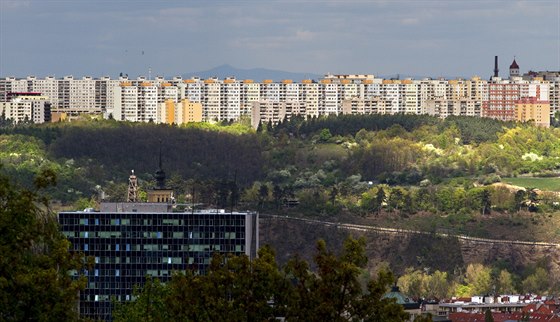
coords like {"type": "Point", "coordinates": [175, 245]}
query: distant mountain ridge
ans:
{"type": "Point", "coordinates": [256, 74]}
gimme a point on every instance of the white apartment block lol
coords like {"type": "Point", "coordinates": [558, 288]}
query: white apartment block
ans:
{"type": "Point", "coordinates": [211, 100]}
{"type": "Point", "coordinates": [250, 93]}
{"type": "Point", "coordinates": [231, 103]}
{"type": "Point", "coordinates": [26, 108]}
{"type": "Point", "coordinates": [446, 107]}
{"type": "Point", "coordinates": [137, 99]}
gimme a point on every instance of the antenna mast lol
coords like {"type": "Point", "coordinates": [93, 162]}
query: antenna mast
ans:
{"type": "Point", "coordinates": [132, 195]}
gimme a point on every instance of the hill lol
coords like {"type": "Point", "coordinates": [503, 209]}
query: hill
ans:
{"type": "Point", "coordinates": [399, 171]}
{"type": "Point", "coordinates": [256, 74]}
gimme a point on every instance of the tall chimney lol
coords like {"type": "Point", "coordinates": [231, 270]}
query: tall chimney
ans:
{"type": "Point", "coordinates": [496, 70]}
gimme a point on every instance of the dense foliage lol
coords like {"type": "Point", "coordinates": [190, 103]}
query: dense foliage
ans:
{"type": "Point", "coordinates": [407, 171]}
{"type": "Point", "coordinates": [35, 265]}
{"type": "Point", "coordinates": [478, 279]}
{"type": "Point", "coordinates": [324, 165]}
{"type": "Point", "coordinates": [239, 289]}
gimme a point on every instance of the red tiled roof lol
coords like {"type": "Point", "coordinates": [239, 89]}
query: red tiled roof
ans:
{"type": "Point", "coordinates": [514, 64]}
{"type": "Point", "coordinates": [501, 317]}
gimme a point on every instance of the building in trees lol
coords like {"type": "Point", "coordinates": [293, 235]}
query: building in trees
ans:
{"type": "Point", "coordinates": [410, 306]}
{"type": "Point", "coordinates": [131, 240]}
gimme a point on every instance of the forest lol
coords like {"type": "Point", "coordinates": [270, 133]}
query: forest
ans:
{"type": "Point", "coordinates": [403, 171]}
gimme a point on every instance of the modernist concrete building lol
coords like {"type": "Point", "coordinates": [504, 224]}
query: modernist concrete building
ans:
{"type": "Point", "coordinates": [131, 240]}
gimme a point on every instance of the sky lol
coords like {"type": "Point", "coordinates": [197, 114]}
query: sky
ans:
{"type": "Point", "coordinates": [436, 38]}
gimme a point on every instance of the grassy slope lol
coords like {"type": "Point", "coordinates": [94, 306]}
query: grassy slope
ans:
{"type": "Point", "coordinates": [546, 184]}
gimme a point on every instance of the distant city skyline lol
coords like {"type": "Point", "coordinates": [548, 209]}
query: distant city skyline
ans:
{"type": "Point", "coordinates": [425, 38]}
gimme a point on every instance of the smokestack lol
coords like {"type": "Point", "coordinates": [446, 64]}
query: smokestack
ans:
{"type": "Point", "coordinates": [496, 70]}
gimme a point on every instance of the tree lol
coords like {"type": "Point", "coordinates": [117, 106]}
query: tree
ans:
{"type": "Point", "coordinates": [505, 283]}
{"type": "Point", "coordinates": [396, 198]}
{"type": "Point", "coordinates": [437, 285]}
{"type": "Point", "coordinates": [413, 283]}
{"type": "Point", "coordinates": [380, 198]}
{"type": "Point", "coordinates": [485, 201]}
{"type": "Point", "coordinates": [478, 278]}
{"type": "Point", "coordinates": [325, 135]}
{"type": "Point", "coordinates": [149, 305]}
{"type": "Point", "coordinates": [277, 194]}
{"type": "Point", "coordinates": [488, 316]}
{"type": "Point", "coordinates": [263, 195]}
{"type": "Point", "coordinates": [533, 197]}
{"type": "Point", "coordinates": [333, 195]}
{"type": "Point", "coordinates": [537, 283]}
{"type": "Point", "coordinates": [238, 289]}
{"type": "Point", "coordinates": [375, 308]}
{"type": "Point", "coordinates": [36, 265]}
{"type": "Point", "coordinates": [519, 199]}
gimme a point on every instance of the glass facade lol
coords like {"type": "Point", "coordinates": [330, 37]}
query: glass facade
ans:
{"type": "Point", "coordinates": [129, 243]}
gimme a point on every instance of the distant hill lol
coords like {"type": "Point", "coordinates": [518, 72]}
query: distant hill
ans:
{"type": "Point", "coordinates": [256, 74]}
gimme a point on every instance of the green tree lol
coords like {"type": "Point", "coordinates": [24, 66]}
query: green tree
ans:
{"type": "Point", "coordinates": [325, 135]}
{"type": "Point", "coordinates": [396, 198]}
{"type": "Point", "coordinates": [485, 201]}
{"type": "Point", "coordinates": [504, 283]}
{"type": "Point", "coordinates": [479, 278]}
{"type": "Point", "coordinates": [537, 283]}
{"type": "Point", "coordinates": [238, 289]}
{"type": "Point", "coordinates": [36, 267]}
{"type": "Point", "coordinates": [263, 195]}
{"type": "Point", "coordinates": [149, 304]}
{"type": "Point", "coordinates": [413, 283]}
{"type": "Point", "coordinates": [380, 198]}
{"type": "Point", "coordinates": [488, 317]}
{"type": "Point", "coordinates": [375, 308]}
{"type": "Point", "coordinates": [437, 285]}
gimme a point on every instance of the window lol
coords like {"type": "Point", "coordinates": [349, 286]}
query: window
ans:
{"type": "Point", "coordinates": [86, 247]}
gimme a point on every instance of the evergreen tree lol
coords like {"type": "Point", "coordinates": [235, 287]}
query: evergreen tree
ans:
{"type": "Point", "coordinates": [36, 265]}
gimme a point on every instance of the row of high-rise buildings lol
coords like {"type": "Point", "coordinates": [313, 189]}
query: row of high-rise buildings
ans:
{"type": "Point", "coordinates": [179, 100]}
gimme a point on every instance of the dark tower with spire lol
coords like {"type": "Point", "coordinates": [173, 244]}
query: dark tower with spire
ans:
{"type": "Point", "coordinates": [160, 174]}
{"type": "Point", "coordinates": [160, 193]}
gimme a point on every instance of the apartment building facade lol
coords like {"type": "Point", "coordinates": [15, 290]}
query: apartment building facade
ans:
{"type": "Point", "coordinates": [26, 107]}
{"type": "Point", "coordinates": [141, 99]}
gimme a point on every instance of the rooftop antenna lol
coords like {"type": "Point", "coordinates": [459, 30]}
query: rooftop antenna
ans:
{"type": "Point", "coordinates": [150, 73]}
{"type": "Point", "coordinates": [132, 195]}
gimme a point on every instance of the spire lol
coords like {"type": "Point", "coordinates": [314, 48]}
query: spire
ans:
{"type": "Point", "coordinates": [514, 64]}
{"type": "Point", "coordinates": [160, 174]}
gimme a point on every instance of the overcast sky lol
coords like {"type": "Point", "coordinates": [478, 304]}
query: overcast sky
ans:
{"type": "Point", "coordinates": [424, 38]}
